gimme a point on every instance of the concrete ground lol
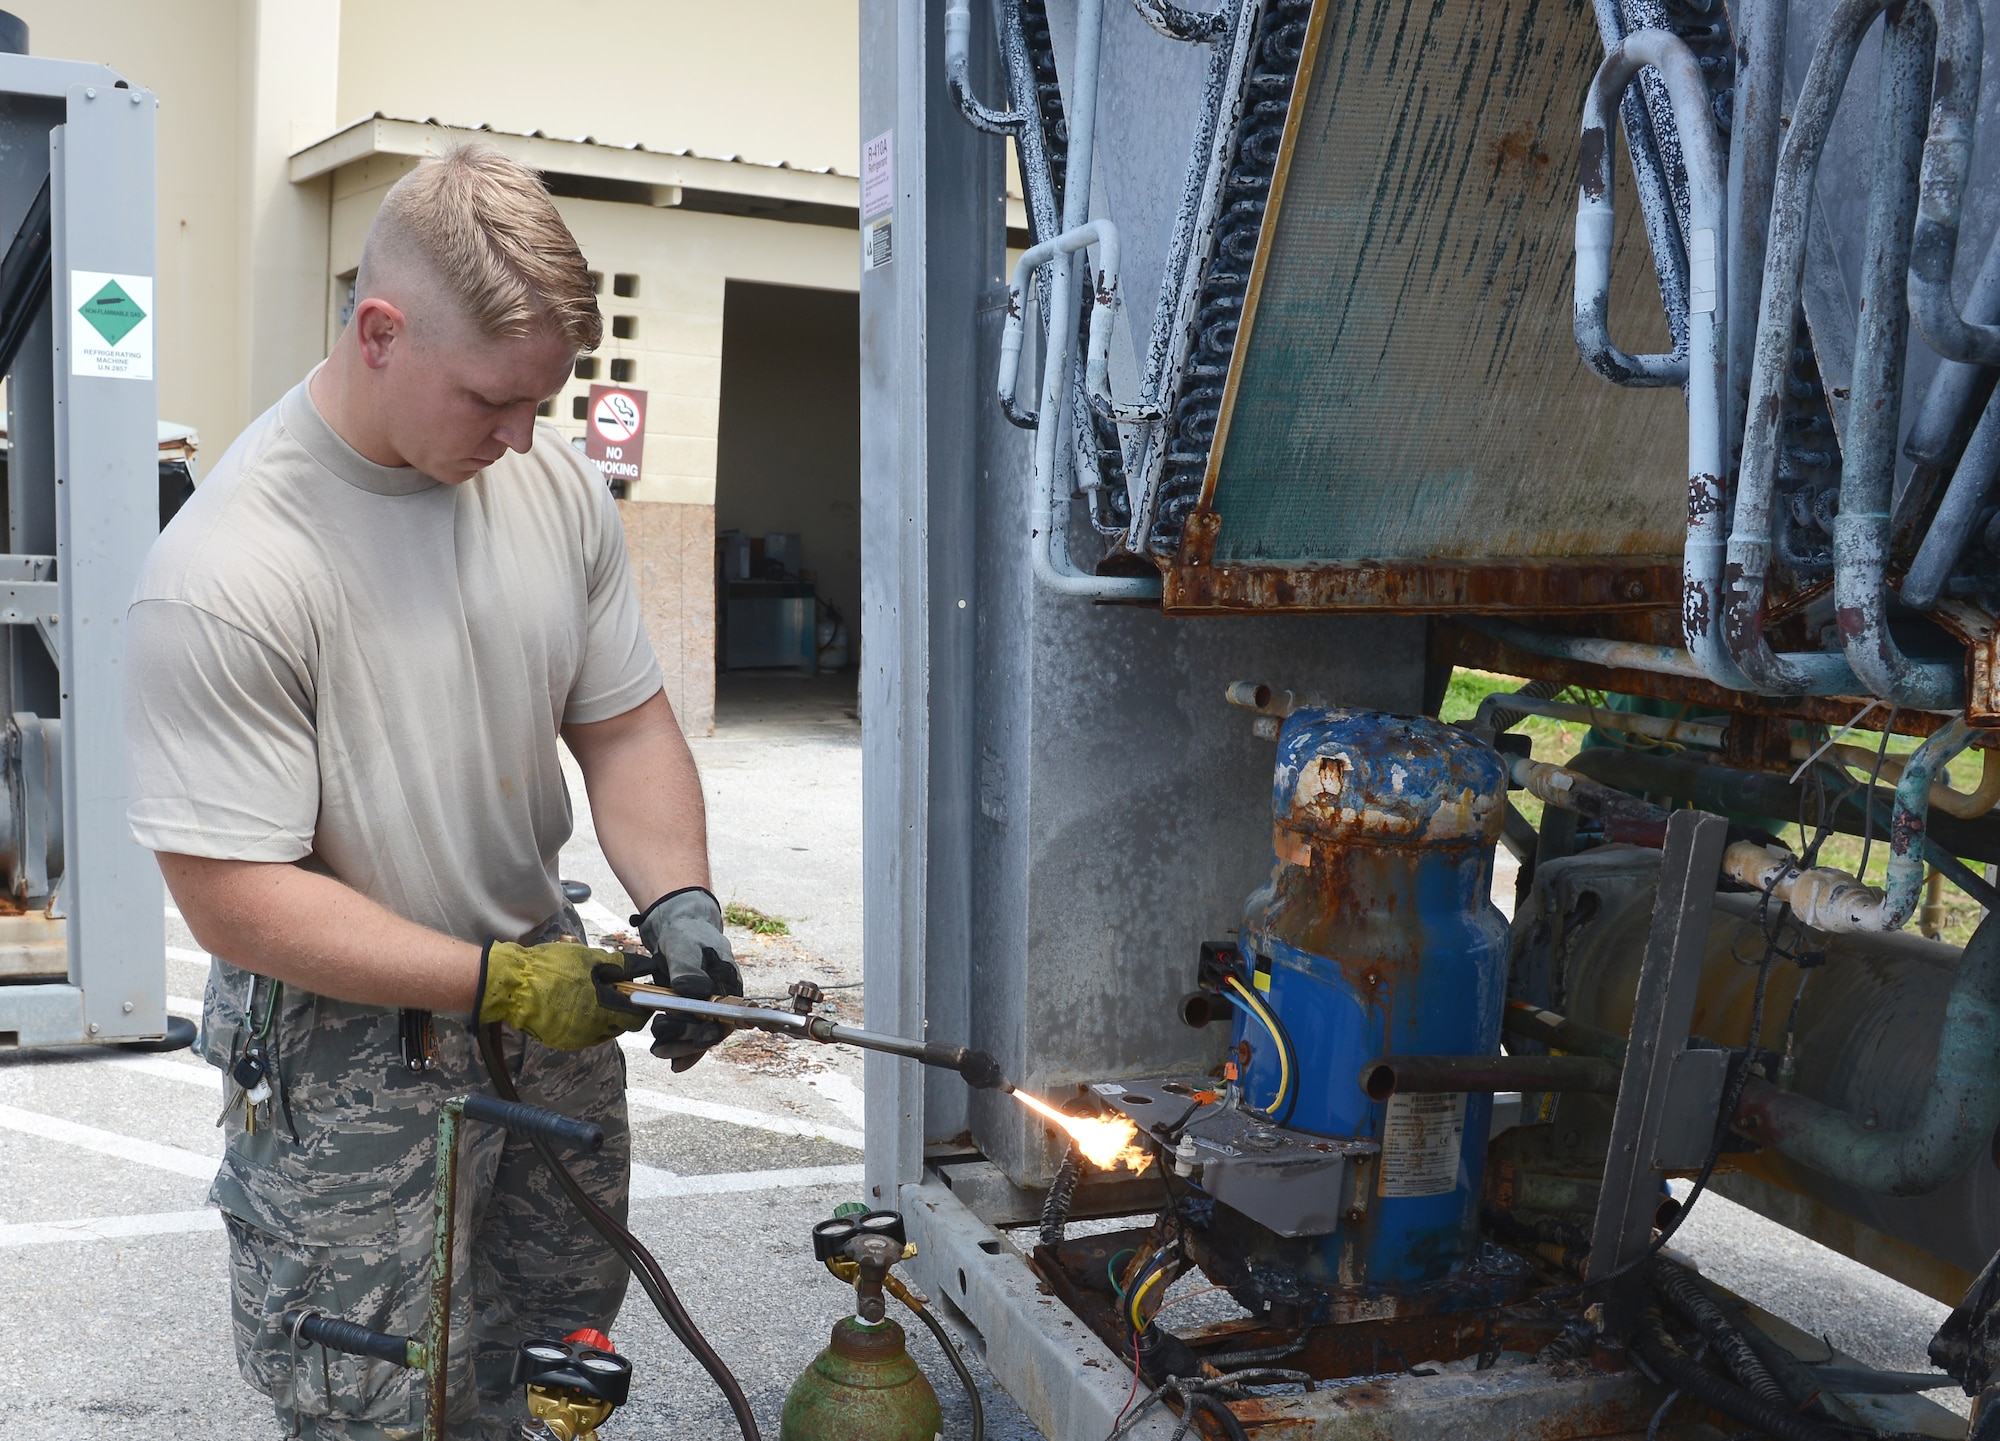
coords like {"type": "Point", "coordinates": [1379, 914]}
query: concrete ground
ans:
{"type": "Point", "coordinates": [113, 1269]}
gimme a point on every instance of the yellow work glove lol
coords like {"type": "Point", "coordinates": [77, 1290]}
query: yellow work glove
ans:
{"type": "Point", "coordinates": [547, 991]}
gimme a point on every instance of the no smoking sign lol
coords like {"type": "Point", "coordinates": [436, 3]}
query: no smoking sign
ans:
{"type": "Point", "coordinates": [615, 437]}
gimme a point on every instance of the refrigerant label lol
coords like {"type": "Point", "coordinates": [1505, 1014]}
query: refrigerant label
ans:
{"type": "Point", "coordinates": [111, 325]}
{"type": "Point", "coordinates": [878, 245]}
{"type": "Point", "coordinates": [1421, 1139]}
{"type": "Point", "coordinates": [878, 175]}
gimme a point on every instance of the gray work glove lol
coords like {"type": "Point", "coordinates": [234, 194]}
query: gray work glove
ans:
{"type": "Point", "coordinates": [683, 930]}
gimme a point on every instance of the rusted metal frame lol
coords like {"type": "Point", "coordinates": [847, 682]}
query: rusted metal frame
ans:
{"type": "Point", "coordinates": [1267, 227]}
{"type": "Point", "coordinates": [1330, 1352]}
{"type": "Point", "coordinates": [1458, 644]}
{"type": "Point", "coordinates": [1662, 1015]}
{"type": "Point", "coordinates": [1868, 475]}
{"type": "Point", "coordinates": [1194, 584]}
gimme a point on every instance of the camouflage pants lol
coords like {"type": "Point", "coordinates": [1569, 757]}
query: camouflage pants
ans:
{"type": "Point", "coordinates": [338, 1217]}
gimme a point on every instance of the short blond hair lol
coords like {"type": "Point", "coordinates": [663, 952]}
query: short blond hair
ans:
{"type": "Point", "coordinates": [487, 229]}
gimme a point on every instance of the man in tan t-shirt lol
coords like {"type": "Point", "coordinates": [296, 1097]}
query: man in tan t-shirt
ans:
{"type": "Point", "coordinates": [351, 657]}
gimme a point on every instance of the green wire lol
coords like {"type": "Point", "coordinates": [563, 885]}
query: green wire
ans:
{"type": "Point", "coordinates": [1111, 1270]}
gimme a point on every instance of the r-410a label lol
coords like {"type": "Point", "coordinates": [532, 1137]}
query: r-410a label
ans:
{"type": "Point", "coordinates": [1421, 1139]}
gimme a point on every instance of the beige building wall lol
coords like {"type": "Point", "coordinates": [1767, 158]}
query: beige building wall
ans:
{"type": "Point", "coordinates": [678, 264]}
{"type": "Point", "coordinates": [242, 252]}
{"type": "Point", "coordinates": [252, 251]}
{"type": "Point", "coordinates": [777, 81]}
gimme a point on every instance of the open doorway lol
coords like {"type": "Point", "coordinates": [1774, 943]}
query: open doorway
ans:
{"type": "Point", "coordinates": [788, 481]}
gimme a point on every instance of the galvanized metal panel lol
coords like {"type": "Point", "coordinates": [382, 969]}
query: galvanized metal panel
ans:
{"type": "Point", "coordinates": [1122, 808]}
{"type": "Point", "coordinates": [1407, 385]}
{"type": "Point", "coordinates": [107, 515]}
{"type": "Point", "coordinates": [918, 402]}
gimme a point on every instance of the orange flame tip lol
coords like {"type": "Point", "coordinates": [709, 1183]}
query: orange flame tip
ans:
{"type": "Point", "coordinates": [1106, 1143]}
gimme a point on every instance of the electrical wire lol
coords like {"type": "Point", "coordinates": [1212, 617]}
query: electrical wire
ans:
{"type": "Point", "coordinates": [1155, 1270]}
{"type": "Point", "coordinates": [1278, 1038]}
{"type": "Point", "coordinates": [644, 1268]}
{"type": "Point", "coordinates": [1111, 1271]}
{"type": "Point", "coordinates": [1118, 1422]}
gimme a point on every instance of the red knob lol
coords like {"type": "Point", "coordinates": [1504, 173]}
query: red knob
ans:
{"type": "Point", "coordinates": [594, 1339]}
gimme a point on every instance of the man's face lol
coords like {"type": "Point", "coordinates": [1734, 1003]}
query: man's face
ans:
{"type": "Point", "coordinates": [455, 402]}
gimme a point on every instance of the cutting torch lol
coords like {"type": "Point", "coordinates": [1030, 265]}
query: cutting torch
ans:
{"type": "Point", "coordinates": [978, 1068]}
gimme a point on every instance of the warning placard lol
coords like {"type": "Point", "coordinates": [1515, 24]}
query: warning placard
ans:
{"type": "Point", "coordinates": [111, 325]}
{"type": "Point", "coordinates": [1422, 1135]}
{"type": "Point", "coordinates": [615, 437]}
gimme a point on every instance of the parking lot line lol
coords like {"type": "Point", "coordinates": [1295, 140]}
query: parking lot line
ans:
{"type": "Point", "coordinates": [650, 1183]}
{"type": "Point", "coordinates": [109, 1228]}
{"type": "Point", "coordinates": [743, 1116]}
{"type": "Point", "coordinates": [109, 1143]}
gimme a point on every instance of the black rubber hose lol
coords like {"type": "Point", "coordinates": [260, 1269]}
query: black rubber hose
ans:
{"type": "Point", "coordinates": [957, 1364]}
{"type": "Point", "coordinates": [1201, 1403]}
{"type": "Point", "coordinates": [338, 1335]}
{"type": "Point", "coordinates": [1680, 1290]}
{"type": "Point", "coordinates": [1062, 1191]}
{"type": "Point", "coordinates": [1658, 1351]}
{"type": "Point", "coordinates": [643, 1267]}
{"type": "Point", "coordinates": [535, 1122]}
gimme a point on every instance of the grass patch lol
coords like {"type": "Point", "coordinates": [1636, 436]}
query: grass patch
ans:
{"type": "Point", "coordinates": [755, 921]}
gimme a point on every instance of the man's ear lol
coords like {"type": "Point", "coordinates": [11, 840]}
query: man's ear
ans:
{"type": "Point", "coordinates": [379, 327]}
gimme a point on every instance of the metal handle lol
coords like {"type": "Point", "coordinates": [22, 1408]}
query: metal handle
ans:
{"type": "Point", "coordinates": [312, 1329]}
{"type": "Point", "coordinates": [536, 1122]}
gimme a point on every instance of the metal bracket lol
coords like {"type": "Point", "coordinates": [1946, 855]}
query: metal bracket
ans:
{"type": "Point", "coordinates": [1694, 1095]}
{"type": "Point", "coordinates": [1662, 1012]}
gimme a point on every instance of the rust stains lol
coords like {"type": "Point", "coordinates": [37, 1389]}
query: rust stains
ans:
{"type": "Point", "coordinates": [1518, 149]}
{"type": "Point", "coordinates": [1193, 584]}
{"type": "Point", "coordinates": [1454, 645]}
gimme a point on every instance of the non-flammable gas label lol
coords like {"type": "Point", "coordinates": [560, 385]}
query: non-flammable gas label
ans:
{"type": "Point", "coordinates": [111, 325]}
{"type": "Point", "coordinates": [1421, 1139]}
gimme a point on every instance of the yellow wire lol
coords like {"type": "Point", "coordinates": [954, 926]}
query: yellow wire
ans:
{"type": "Point", "coordinates": [1138, 1324]}
{"type": "Point", "coordinates": [1284, 1062]}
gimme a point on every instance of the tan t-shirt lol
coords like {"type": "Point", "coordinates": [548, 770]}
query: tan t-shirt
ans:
{"type": "Point", "coordinates": [333, 659]}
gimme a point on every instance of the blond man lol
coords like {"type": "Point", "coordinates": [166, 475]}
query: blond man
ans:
{"type": "Point", "coordinates": [351, 658]}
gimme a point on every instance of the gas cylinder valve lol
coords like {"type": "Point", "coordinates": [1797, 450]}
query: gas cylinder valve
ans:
{"type": "Point", "coordinates": [865, 1383]}
{"type": "Point", "coordinates": [573, 1384]}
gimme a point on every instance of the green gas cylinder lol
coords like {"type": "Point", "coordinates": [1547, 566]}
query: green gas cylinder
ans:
{"type": "Point", "coordinates": [863, 1387]}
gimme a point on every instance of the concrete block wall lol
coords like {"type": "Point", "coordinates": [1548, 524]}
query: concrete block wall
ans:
{"type": "Point", "coordinates": [673, 564]}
